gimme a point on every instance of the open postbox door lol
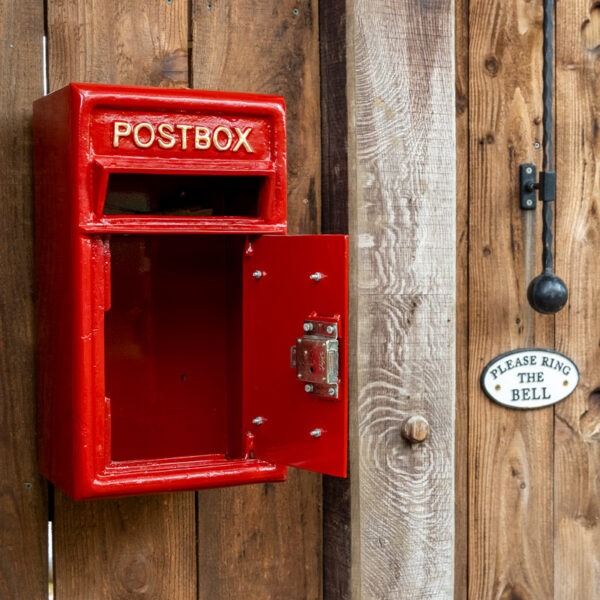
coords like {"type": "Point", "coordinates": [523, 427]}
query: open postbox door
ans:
{"type": "Point", "coordinates": [295, 309]}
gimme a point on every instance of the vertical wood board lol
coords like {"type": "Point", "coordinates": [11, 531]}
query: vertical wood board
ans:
{"type": "Point", "coordinates": [402, 223]}
{"type": "Point", "coordinates": [462, 300]}
{"type": "Point", "coordinates": [337, 518]}
{"type": "Point", "coordinates": [266, 541]}
{"type": "Point", "coordinates": [577, 420]}
{"type": "Point", "coordinates": [510, 453]}
{"type": "Point", "coordinates": [23, 509]}
{"type": "Point", "coordinates": [137, 547]}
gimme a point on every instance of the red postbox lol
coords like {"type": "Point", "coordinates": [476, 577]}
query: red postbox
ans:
{"type": "Point", "coordinates": [185, 341]}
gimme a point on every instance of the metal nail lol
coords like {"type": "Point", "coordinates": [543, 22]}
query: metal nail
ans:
{"type": "Point", "coordinates": [316, 433]}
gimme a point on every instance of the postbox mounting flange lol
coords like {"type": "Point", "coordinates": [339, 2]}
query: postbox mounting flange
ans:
{"type": "Point", "coordinates": [316, 358]}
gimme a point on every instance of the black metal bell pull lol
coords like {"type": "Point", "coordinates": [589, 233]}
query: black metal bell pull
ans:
{"type": "Point", "coordinates": [547, 293]}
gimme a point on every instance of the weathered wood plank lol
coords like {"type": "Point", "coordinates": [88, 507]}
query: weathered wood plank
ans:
{"type": "Point", "coordinates": [510, 452]}
{"type": "Point", "coordinates": [23, 509]}
{"type": "Point", "coordinates": [462, 300]}
{"type": "Point", "coordinates": [402, 223]}
{"type": "Point", "coordinates": [266, 541]}
{"type": "Point", "coordinates": [577, 419]}
{"type": "Point", "coordinates": [137, 547]}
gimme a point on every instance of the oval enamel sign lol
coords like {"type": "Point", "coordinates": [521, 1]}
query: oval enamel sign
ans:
{"type": "Point", "coordinates": [529, 378]}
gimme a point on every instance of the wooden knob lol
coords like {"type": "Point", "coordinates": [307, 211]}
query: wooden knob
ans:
{"type": "Point", "coordinates": [415, 429]}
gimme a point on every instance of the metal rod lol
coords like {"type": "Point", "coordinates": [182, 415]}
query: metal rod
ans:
{"type": "Point", "coordinates": [547, 97]}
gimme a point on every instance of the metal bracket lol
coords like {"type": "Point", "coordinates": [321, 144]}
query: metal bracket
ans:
{"type": "Point", "coordinates": [316, 358]}
{"type": "Point", "coordinates": [528, 186]}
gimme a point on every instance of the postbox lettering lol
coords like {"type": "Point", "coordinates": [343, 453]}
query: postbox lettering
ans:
{"type": "Point", "coordinates": [222, 138]}
{"type": "Point", "coordinates": [165, 132]}
{"type": "Point", "coordinates": [121, 130]}
{"type": "Point", "coordinates": [136, 135]}
{"type": "Point", "coordinates": [216, 143]}
{"type": "Point", "coordinates": [184, 129]}
{"type": "Point", "coordinates": [202, 141]}
{"type": "Point", "coordinates": [242, 139]}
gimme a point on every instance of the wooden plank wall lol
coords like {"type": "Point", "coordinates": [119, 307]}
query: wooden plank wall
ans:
{"type": "Point", "coordinates": [23, 508]}
{"type": "Point", "coordinates": [577, 420]}
{"type": "Point", "coordinates": [265, 541]}
{"type": "Point", "coordinates": [402, 225]}
{"type": "Point", "coordinates": [530, 501]}
{"type": "Point", "coordinates": [258, 541]}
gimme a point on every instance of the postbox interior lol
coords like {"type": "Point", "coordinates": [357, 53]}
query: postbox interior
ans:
{"type": "Point", "coordinates": [184, 195]}
{"type": "Point", "coordinates": [172, 346]}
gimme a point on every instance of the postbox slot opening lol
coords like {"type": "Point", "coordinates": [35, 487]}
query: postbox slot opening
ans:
{"type": "Point", "coordinates": [169, 345]}
{"type": "Point", "coordinates": [184, 195]}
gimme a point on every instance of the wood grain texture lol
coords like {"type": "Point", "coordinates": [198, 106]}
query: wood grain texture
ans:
{"type": "Point", "coordinates": [461, 558]}
{"type": "Point", "coordinates": [577, 422]}
{"type": "Point", "coordinates": [402, 225]}
{"type": "Point", "coordinates": [270, 47]}
{"type": "Point", "coordinates": [139, 547]}
{"type": "Point", "coordinates": [510, 453]}
{"type": "Point", "coordinates": [269, 537]}
{"type": "Point", "coordinates": [23, 510]}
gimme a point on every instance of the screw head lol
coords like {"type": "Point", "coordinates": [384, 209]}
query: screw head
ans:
{"type": "Point", "coordinates": [258, 421]}
{"type": "Point", "coordinates": [415, 429]}
{"type": "Point", "coordinates": [536, 145]}
{"type": "Point", "coordinates": [316, 433]}
{"type": "Point", "coordinates": [308, 388]}
{"type": "Point", "coordinates": [257, 274]}
{"type": "Point", "coordinates": [331, 391]}
{"type": "Point", "coordinates": [316, 276]}
{"type": "Point", "coordinates": [330, 329]}
{"type": "Point", "coordinates": [529, 202]}
{"type": "Point", "coordinates": [307, 327]}
{"type": "Point", "coordinates": [529, 170]}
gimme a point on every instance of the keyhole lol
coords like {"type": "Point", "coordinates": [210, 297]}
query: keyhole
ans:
{"type": "Point", "coordinates": [590, 30]}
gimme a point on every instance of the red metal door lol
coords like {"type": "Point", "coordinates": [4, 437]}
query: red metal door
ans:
{"type": "Point", "coordinates": [286, 279]}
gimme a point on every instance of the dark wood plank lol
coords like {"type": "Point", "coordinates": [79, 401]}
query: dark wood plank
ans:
{"type": "Point", "coordinates": [402, 223]}
{"type": "Point", "coordinates": [265, 541]}
{"type": "Point", "coordinates": [510, 452]}
{"type": "Point", "coordinates": [138, 547]}
{"type": "Point", "coordinates": [577, 419]}
{"type": "Point", "coordinates": [23, 509]}
{"type": "Point", "coordinates": [334, 116]}
{"type": "Point", "coordinates": [461, 488]}
{"type": "Point", "coordinates": [337, 554]}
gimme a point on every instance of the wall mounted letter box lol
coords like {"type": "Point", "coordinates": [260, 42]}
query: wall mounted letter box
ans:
{"type": "Point", "coordinates": [185, 341]}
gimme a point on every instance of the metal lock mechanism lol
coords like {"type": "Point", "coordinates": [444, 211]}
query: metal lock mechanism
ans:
{"type": "Point", "coordinates": [316, 356]}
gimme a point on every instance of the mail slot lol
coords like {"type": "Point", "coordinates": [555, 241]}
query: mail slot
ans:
{"type": "Point", "coordinates": [184, 340]}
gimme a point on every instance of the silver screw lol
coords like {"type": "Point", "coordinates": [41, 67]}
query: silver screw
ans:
{"type": "Point", "coordinates": [308, 388]}
{"type": "Point", "coordinates": [316, 433]}
{"type": "Point", "coordinates": [257, 274]}
{"type": "Point", "coordinates": [529, 202]}
{"type": "Point", "coordinates": [331, 391]}
{"type": "Point", "coordinates": [258, 421]}
{"type": "Point", "coordinates": [299, 375]}
{"type": "Point", "coordinates": [316, 276]}
{"type": "Point", "coordinates": [529, 170]}
{"type": "Point", "coordinates": [330, 329]}
{"type": "Point", "coordinates": [536, 145]}
{"type": "Point", "coordinates": [307, 327]}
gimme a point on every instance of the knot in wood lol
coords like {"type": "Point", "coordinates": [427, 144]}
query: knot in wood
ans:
{"type": "Point", "coordinates": [415, 429]}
